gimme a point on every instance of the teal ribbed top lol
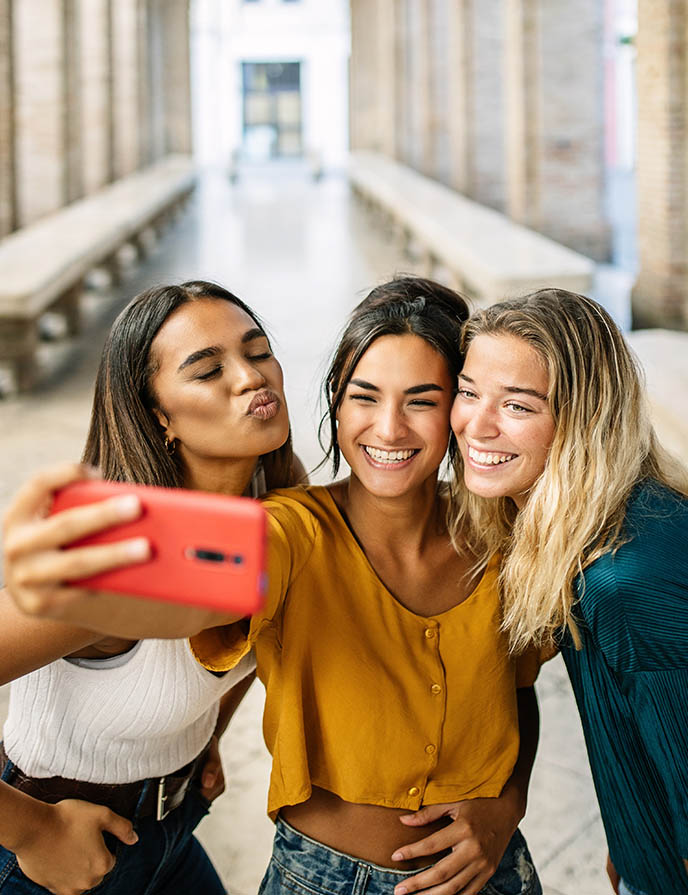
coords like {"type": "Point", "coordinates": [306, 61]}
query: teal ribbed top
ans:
{"type": "Point", "coordinates": [631, 684]}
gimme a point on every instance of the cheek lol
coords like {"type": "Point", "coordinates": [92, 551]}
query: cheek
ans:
{"type": "Point", "coordinates": [457, 417]}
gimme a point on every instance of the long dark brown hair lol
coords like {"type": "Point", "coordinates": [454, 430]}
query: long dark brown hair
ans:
{"type": "Point", "coordinates": [125, 440]}
{"type": "Point", "coordinates": [407, 305]}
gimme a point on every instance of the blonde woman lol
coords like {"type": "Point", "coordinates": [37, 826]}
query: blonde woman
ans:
{"type": "Point", "coordinates": [566, 478]}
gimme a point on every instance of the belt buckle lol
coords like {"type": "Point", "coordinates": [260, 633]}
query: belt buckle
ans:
{"type": "Point", "coordinates": [161, 813]}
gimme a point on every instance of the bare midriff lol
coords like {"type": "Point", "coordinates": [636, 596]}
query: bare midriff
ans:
{"type": "Point", "coordinates": [369, 832]}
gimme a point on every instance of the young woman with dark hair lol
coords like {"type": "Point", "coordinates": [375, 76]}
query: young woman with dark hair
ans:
{"type": "Point", "coordinates": [105, 736]}
{"type": "Point", "coordinates": [392, 701]}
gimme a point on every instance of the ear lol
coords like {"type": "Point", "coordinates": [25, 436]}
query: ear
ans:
{"type": "Point", "coordinates": [163, 422]}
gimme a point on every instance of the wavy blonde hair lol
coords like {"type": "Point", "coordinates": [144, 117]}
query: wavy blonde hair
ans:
{"type": "Point", "coordinates": [603, 444]}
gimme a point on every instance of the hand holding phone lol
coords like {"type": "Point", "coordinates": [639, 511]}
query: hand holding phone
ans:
{"type": "Point", "coordinates": [206, 549]}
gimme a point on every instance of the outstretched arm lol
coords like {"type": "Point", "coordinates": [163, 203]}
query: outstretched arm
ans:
{"type": "Point", "coordinates": [37, 566]}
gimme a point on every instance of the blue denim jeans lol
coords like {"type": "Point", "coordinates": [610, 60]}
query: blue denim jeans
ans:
{"type": "Point", "coordinates": [166, 860]}
{"type": "Point", "coordinates": [627, 889]}
{"type": "Point", "coordinates": [302, 866]}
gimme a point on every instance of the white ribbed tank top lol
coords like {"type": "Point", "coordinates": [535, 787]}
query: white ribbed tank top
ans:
{"type": "Point", "coordinates": [144, 718]}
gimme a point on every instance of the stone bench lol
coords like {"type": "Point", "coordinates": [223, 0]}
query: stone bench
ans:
{"type": "Point", "coordinates": [486, 254]}
{"type": "Point", "coordinates": [43, 266]}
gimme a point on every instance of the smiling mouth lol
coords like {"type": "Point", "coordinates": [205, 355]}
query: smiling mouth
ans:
{"type": "Point", "coordinates": [389, 458]}
{"type": "Point", "coordinates": [264, 406]}
{"type": "Point", "coordinates": [489, 458]}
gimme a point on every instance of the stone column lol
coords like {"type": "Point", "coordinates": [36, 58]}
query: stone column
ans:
{"type": "Point", "coordinates": [125, 84]}
{"type": "Point", "coordinates": [7, 173]}
{"type": "Point", "coordinates": [372, 98]}
{"type": "Point", "coordinates": [660, 296]}
{"type": "Point", "coordinates": [40, 108]}
{"type": "Point", "coordinates": [176, 52]}
{"type": "Point", "coordinates": [555, 121]}
{"type": "Point", "coordinates": [96, 93]}
{"type": "Point", "coordinates": [74, 121]}
{"type": "Point", "coordinates": [144, 91]}
{"type": "Point", "coordinates": [420, 143]}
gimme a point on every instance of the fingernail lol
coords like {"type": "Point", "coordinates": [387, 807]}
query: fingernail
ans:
{"type": "Point", "coordinates": [402, 890]}
{"type": "Point", "coordinates": [133, 837]}
{"type": "Point", "coordinates": [398, 856]}
{"type": "Point", "coordinates": [138, 549]}
{"type": "Point", "coordinates": [128, 505]}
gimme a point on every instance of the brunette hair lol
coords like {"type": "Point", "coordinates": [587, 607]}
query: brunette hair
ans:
{"type": "Point", "coordinates": [603, 445]}
{"type": "Point", "coordinates": [125, 440]}
{"type": "Point", "coordinates": [408, 305]}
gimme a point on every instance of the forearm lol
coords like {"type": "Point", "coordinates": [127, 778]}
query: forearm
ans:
{"type": "Point", "coordinates": [516, 787]}
{"type": "Point", "coordinates": [231, 701]}
{"type": "Point", "coordinates": [21, 817]}
{"type": "Point", "coordinates": [137, 618]}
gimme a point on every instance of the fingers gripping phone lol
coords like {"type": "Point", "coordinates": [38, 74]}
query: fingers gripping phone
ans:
{"type": "Point", "coordinates": [207, 549]}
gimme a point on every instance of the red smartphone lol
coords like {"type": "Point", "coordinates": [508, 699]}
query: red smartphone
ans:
{"type": "Point", "coordinates": [207, 549]}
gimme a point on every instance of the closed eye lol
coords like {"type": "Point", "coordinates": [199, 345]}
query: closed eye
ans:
{"type": "Point", "coordinates": [420, 402]}
{"type": "Point", "coordinates": [369, 399]}
{"type": "Point", "coordinates": [265, 356]}
{"type": "Point", "coordinates": [210, 374]}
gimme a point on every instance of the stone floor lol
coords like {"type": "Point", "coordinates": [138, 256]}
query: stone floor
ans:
{"type": "Point", "coordinates": [301, 253]}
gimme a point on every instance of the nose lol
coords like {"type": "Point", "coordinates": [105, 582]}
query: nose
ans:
{"type": "Point", "coordinates": [390, 424]}
{"type": "Point", "coordinates": [247, 376]}
{"type": "Point", "coordinates": [476, 420]}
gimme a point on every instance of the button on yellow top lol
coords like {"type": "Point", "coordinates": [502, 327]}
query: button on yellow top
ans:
{"type": "Point", "coordinates": [431, 749]}
{"type": "Point", "coordinates": [413, 791]}
{"type": "Point", "coordinates": [436, 688]}
{"type": "Point", "coordinates": [429, 633]}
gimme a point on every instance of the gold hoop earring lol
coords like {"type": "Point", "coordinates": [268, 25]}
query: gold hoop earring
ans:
{"type": "Point", "coordinates": [170, 445]}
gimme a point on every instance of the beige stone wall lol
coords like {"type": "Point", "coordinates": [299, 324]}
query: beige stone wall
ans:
{"type": "Point", "coordinates": [90, 90]}
{"type": "Point", "coordinates": [660, 296]}
{"type": "Point", "coordinates": [501, 99]}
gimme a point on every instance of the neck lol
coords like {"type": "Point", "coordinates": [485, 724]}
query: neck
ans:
{"type": "Point", "coordinates": [231, 477]}
{"type": "Point", "coordinates": [408, 521]}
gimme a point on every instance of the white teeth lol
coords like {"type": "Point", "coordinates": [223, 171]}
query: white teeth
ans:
{"type": "Point", "coordinates": [489, 459]}
{"type": "Point", "coordinates": [388, 456]}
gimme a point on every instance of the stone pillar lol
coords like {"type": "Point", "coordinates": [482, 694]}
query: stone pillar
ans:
{"type": "Point", "coordinates": [144, 92]}
{"type": "Point", "coordinates": [660, 295]}
{"type": "Point", "coordinates": [467, 97]}
{"type": "Point", "coordinates": [96, 94]}
{"type": "Point", "coordinates": [125, 83]}
{"type": "Point", "coordinates": [176, 52]}
{"type": "Point", "coordinates": [73, 110]}
{"type": "Point", "coordinates": [40, 108]}
{"type": "Point", "coordinates": [487, 110]}
{"type": "Point", "coordinates": [420, 144]}
{"type": "Point", "coordinates": [7, 174]}
{"type": "Point", "coordinates": [372, 99]}
{"type": "Point", "coordinates": [555, 121]}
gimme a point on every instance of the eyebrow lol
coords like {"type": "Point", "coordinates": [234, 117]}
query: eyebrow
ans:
{"type": "Point", "coordinates": [195, 356]}
{"type": "Point", "coordinates": [214, 350]}
{"type": "Point", "coordinates": [251, 334]}
{"type": "Point", "coordinates": [414, 390]}
{"type": "Point", "coordinates": [513, 389]}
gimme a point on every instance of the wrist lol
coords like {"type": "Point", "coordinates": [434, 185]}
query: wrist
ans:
{"type": "Point", "coordinates": [30, 821]}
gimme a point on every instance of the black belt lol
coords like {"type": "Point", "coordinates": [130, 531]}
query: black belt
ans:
{"type": "Point", "coordinates": [142, 798]}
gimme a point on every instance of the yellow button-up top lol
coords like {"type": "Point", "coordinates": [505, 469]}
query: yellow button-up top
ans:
{"type": "Point", "coordinates": [365, 698]}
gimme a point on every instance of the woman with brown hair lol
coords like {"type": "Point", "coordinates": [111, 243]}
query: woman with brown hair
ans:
{"type": "Point", "coordinates": [108, 735]}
